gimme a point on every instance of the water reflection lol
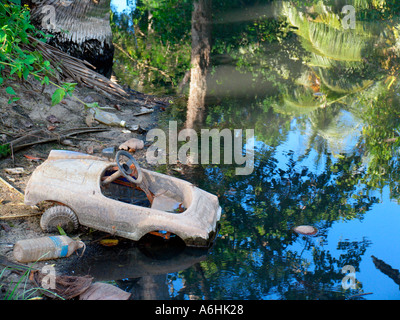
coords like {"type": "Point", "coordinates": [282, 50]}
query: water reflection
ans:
{"type": "Point", "coordinates": [140, 268]}
{"type": "Point", "coordinates": [324, 105]}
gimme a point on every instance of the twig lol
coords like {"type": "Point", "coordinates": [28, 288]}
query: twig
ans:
{"type": "Point", "coordinates": [22, 142]}
{"type": "Point", "coordinates": [142, 63]}
{"type": "Point", "coordinates": [143, 113]}
{"type": "Point", "coordinates": [359, 295]}
{"type": "Point", "coordinates": [20, 216]}
{"type": "Point", "coordinates": [9, 186]}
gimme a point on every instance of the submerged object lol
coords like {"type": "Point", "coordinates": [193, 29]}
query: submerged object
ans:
{"type": "Point", "coordinates": [103, 195]}
{"type": "Point", "coordinates": [306, 230]}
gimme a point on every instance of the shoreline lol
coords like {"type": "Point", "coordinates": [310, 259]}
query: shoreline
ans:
{"type": "Point", "coordinates": [33, 112]}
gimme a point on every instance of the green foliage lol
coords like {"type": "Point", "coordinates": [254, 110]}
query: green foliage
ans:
{"type": "Point", "coordinates": [153, 44]}
{"type": "Point", "coordinates": [18, 61]}
{"type": "Point", "coordinates": [381, 133]}
{"type": "Point", "coordinates": [4, 150]}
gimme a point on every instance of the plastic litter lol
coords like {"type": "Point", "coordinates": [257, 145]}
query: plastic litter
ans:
{"type": "Point", "coordinates": [108, 118]}
{"type": "Point", "coordinates": [132, 144]}
{"type": "Point", "coordinates": [45, 248]}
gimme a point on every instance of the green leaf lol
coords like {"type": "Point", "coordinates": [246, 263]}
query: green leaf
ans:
{"type": "Point", "coordinates": [14, 69]}
{"type": "Point", "coordinates": [69, 88]}
{"type": "Point", "coordinates": [30, 59]}
{"type": "Point", "coordinates": [57, 97]}
{"type": "Point", "coordinates": [61, 231]}
{"type": "Point", "coordinates": [10, 90]}
{"type": "Point", "coordinates": [92, 105]}
{"type": "Point", "coordinates": [45, 80]}
{"type": "Point", "coordinates": [26, 73]}
{"type": "Point", "coordinates": [5, 150]}
{"type": "Point", "coordinates": [13, 99]}
{"type": "Point", "coordinates": [1, 81]}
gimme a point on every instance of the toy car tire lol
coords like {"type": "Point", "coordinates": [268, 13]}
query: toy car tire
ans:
{"type": "Point", "coordinates": [59, 216]}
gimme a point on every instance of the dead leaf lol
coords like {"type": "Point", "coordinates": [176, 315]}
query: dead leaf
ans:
{"type": "Point", "coordinates": [104, 291]}
{"type": "Point", "coordinates": [66, 287]}
{"type": "Point", "coordinates": [53, 119]}
{"type": "Point", "coordinates": [109, 242]}
{"type": "Point", "coordinates": [51, 127]}
{"type": "Point", "coordinates": [32, 158]}
{"type": "Point", "coordinates": [90, 122]}
{"type": "Point", "coordinates": [27, 123]}
{"type": "Point", "coordinates": [5, 227]}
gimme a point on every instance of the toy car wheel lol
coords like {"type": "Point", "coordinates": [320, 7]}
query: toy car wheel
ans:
{"type": "Point", "coordinates": [59, 216]}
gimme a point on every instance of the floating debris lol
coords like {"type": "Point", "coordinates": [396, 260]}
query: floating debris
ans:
{"type": "Point", "coordinates": [109, 242]}
{"type": "Point", "coordinates": [306, 230]}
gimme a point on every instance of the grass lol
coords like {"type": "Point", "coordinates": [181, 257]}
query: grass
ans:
{"type": "Point", "coordinates": [14, 292]}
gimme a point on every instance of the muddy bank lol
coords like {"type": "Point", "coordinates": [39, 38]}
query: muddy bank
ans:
{"type": "Point", "coordinates": [33, 112]}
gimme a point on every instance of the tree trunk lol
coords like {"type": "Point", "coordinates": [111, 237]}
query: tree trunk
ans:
{"type": "Point", "coordinates": [200, 60]}
{"type": "Point", "coordinates": [80, 28]}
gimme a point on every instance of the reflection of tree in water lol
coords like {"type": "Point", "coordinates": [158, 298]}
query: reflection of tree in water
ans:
{"type": "Point", "coordinates": [386, 269]}
{"type": "Point", "coordinates": [312, 76]}
{"type": "Point", "coordinates": [254, 254]}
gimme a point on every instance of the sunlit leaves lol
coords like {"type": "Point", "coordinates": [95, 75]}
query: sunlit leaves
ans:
{"type": "Point", "coordinates": [21, 63]}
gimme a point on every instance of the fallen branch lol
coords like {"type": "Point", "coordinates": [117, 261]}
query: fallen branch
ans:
{"type": "Point", "coordinates": [44, 136]}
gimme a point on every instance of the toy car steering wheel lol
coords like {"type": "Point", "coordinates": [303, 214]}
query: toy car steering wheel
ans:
{"type": "Point", "coordinates": [126, 168]}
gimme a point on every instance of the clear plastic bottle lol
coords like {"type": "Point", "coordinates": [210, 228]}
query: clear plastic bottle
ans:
{"type": "Point", "coordinates": [45, 248]}
{"type": "Point", "coordinates": [107, 118]}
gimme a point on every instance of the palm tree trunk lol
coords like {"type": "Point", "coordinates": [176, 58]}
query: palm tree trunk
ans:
{"type": "Point", "coordinates": [200, 60]}
{"type": "Point", "coordinates": [80, 28]}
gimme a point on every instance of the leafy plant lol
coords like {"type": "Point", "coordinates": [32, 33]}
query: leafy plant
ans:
{"type": "Point", "coordinates": [16, 60]}
{"type": "Point", "coordinates": [4, 150]}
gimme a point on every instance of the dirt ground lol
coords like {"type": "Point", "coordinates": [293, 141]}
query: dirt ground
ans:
{"type": "Point", "coordinates": [32, 112]}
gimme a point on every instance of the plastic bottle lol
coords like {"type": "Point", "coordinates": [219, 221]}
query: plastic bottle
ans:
{"type": "Point", "coordinates": [108, 118]}
{"type": "Point", "coordinates": [45, 248]}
